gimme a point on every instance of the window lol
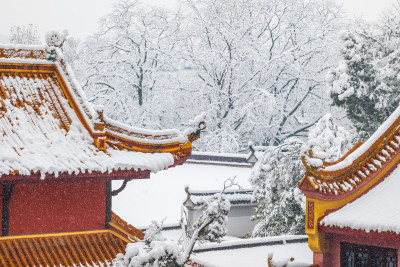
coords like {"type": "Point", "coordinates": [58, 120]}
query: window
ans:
{"type": "Point", "coordinates": [353, 255]}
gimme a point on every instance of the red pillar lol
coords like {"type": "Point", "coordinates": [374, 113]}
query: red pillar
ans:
{"type": "Point", "coordinates": [321, 259]}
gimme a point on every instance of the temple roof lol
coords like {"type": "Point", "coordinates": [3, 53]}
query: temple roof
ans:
{"type": "Point", "coordinates": [358, 167]}
{"type": "Point", "coordinates": [89, 248]}
{"type": "Point", "coordinates": [48, 128]}
{"type": "Point", "coordinates": [377, 210]}
{"type": "Point", "coordinates": [237, 197]}
{"type": "Point", "coordinates": [72, 249]}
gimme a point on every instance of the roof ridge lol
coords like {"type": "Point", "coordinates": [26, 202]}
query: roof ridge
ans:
{"type": "Point", "coordinates": [126, 228]}
{"type": "Point", "coordinates": [362, 169]}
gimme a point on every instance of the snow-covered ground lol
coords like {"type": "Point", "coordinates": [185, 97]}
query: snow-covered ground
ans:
{"type": "Point", "coordinates": [162, 195]}
{"type": "Point", "coordinates": [255, 256]}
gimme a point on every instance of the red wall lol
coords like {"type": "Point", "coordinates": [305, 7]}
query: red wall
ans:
{"type": "Point", "coordinates": [57, 207]}
{"type": "Point", "coordinates": [333, 257]}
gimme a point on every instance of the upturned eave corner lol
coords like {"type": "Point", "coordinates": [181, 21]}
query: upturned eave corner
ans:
{"type": "Point", "coordinates": [341, 181]}
{"type": "Point", "coordinates": [148, 141]}
{"type": "Point", "coordinates": [305, 185]}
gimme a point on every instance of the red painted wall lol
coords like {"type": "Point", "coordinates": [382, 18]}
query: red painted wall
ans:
{"type": "Point", "coordinates": [335, 239]}
{"type": "Point", "coordinates": [49, 207]}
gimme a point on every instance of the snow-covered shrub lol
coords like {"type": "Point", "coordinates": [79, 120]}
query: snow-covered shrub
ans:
{"type": "Point", "coordinates": [274, 179]}
{"type": "Point", "coordinates": [216, 209]}
{"type": "Point", "coordinates": [156, 251]}
{"type": "Point", "coordinates": [365, 82]}
{"type": "Point", "coordinates": [275, 176]}
{"type": "Point", "coordinates": [327, 141]}
{"type": "Point", "coordinates": [354, 84]}
{"type": "Point", "coordinates": [153, 251]}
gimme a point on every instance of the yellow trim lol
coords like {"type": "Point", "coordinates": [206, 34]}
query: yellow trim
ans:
{"type": "Point", "coordinates": [24, 64]}
{"type": "Point", "coordinates": [120, 236]}
{"type": "Point", "coordinates": [316, 240]}
{"type": "Point", "coordinates": [31, 71]}
{"type": "Point", "coordinates": [179, 146]}
{"type": "Point", "coordinates": [66, 234]}
{"type": "Point", "coordinates": [123, 231]}
{"type": "Point", "coordinates": [154, 150]}
{"type": "Point", "coordinates": [54, 234]}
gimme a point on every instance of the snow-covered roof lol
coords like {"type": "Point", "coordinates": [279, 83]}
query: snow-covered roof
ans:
{"type": "Point", "coordinates": [358, 166]}
{"type": "Point", "coordinates": [235, 196]}
{"type": "Point", "coordinates": [222, 159]}
{"type": "Point", "coordinates": [48, 127]}
{"type": "Point", "coordinates": [376, 210]}
{"type": "Point", "coordinates": [89, 248]}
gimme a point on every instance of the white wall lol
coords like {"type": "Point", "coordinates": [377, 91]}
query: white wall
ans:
{"type": "Point", "coordinates": [239, 223]}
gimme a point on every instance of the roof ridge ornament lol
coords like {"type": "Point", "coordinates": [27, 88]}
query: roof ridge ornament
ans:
{"type": "Point", "coordinates": [99, 127]}
{"type": "Point", "coordinates": [55, 40]}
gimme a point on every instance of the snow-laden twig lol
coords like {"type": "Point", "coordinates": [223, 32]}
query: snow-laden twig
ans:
{"type": "Point", "coordinates": [156, 251]}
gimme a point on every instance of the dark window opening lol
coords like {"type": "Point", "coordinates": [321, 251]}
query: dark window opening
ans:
{"type": "Point", "coordinates": [353, 255]}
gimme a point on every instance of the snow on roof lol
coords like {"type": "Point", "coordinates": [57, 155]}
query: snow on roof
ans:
{"type": "Point", "coordinates": [367, 144]}
{"type": "Point", "coordinates": [377, 210]}
{"type": "Point", "coordinates": [37, 138]}
{"type": "Point", "coordinates": [235, 196]}
{"type": "Point", "coordinates": [358, 165]}
{"type": "Point", "coordinates": [49, 127]}
{"type": "Point", "coordinates": [372, 161]}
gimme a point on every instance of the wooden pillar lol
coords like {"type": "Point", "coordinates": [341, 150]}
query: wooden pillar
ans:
{"type": "Point", "coordinates": [7, 190]}
{"type": "Point", "coordinates": [108, 203]}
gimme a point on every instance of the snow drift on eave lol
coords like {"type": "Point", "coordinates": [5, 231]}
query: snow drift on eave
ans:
{"type": "Point", "coordinates": [34, 136]}
{"type": "Point", "coordinates": [367, 144]}
{"type": "Point", "coordinates": [377, 210]}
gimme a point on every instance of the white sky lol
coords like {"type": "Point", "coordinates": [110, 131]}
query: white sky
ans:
{"type": "Point", "coordinates": [80, 16]}
{"type": "Point", "coordinates": [368, 9]}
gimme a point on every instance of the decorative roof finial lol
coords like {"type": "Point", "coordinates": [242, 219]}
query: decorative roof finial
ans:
{"type": "Point", "coordinates": [55, 38]}
{"type": "Point", "coordinates": [55, 41]}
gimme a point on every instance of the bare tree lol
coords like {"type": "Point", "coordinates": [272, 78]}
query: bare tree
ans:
{"type": "Point", "coordinates": [126, 58]}
{"type": "Point", "coordinates": [257, 67]}
{"type": "Point", "coordinates": [24, 35]}
{"type": "Point", "coordinates": [260, 66]}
